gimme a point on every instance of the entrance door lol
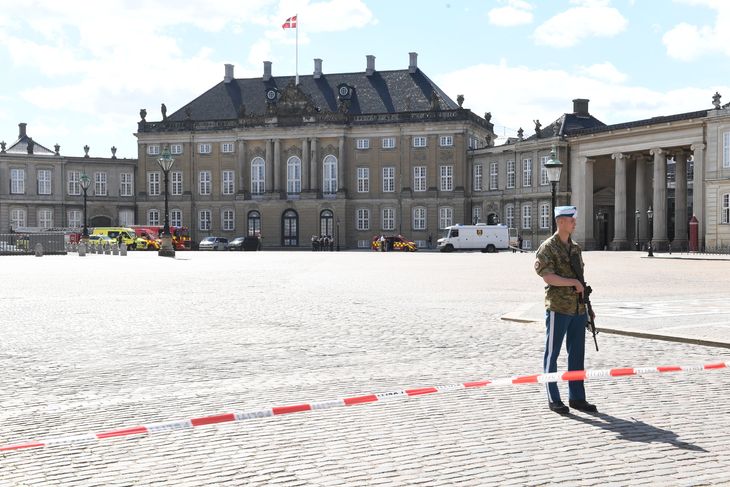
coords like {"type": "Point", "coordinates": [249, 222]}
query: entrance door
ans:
{"type": "Point", "coordinates": [290, 229]}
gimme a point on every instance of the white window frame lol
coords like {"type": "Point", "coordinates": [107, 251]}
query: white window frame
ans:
{"type": "Point", "coordinates": [176, 217]}
{"type": "Point", "coordinates": [17, 181]}
{"type": "Point", "coordinates": [446, 141]}
{"type": "Point", "coordinates": [493, 176]}
{"type": "Point", "coordinates": [153, 216]}
{"type": "Point", "coordinates": [544, 181]}
{"type": "Point", "coordinates": [153, 150]}
{"type": "Point", "coordinates": [527, 216]}
{"type": "Point", "coordinates": [388, 219]}
{"type": "Point", "coordinates": [419, 218]}
{"type": "Point", "coordinates": [18, 217]}
{"type": "Point", "coordinates": [45, 217]}
{"type": "Point", "coordinates": [362, 217]}
{"type": "Point", "coordinates": [176, 149]}
{"type": "Point", "coordinates": [420, 183]}
{"type": "Point", "coordinates": [511, 174]}
{"type": "Point", "coordinates": [726, 208]}
{"type": "Point", "coordinates": [527, 172]}
{"type": "Point", "coordinates": [176, 183]}
{"type": "Point", "coordinates": [447, 177]}
{"type": "Point", "coordinates": [100, 184]}
{"type": "Point", "coordinates": [205, 148]}
{"type": "Point", "coordinates": [446, 217]}
{"type": "Point", "coordinates": [228, 182]}
{"type": "Point", "coordinates": [126, 218]}
{"type": "Point", "coordinates": [153, 183]}
{"type": "Point", "coordinates": [726, 149]}
{"type": "Point", "coordinates": [544, 216]}
{"type": "Point", "coordinates": [419, 141]}
{"type": "Point", "coordinates": [478, 177]}
{"type": "Point", "coordinates": [44, 177]}
{"type": "Point", "coordinates": [126, 184]}
{"type": "Point", "coordinates": [227, 147]}
{"type": "Point", "coordinates": [228, 219]}
{"type": "Point", "coordinates": [476, 214]}
{"type": "Point", "coordinates": [363, 179]}
{"type": "Point", "coordinates": [388, 142]}
{"type": "Point", "coordinates": [204, 220]}
{"type": "Point", "coordinates": [204, 182]}
{"type": "Point", "coordinates": [74, 218]}
{"type": "Point", "coordinates": [329, 174]}
{"type": "Point", "coordinates": [362, 144]}
{"type": "Point", "coordinates": [389, 179]}
{"type": "Point", "coordinates": [509, 216]}
{"type": "Point", "coordinates": [293, 175]}
{"type": "Point", "coordinates": [73, 185]}
{"type": "Point", "coordinates": [258, 175]}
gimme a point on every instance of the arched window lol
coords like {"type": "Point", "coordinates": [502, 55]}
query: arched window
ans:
{"type": "Point", "coordinates": [294, 175]}
{"type": "Point", "coordinates": [258, 173]}
{"type": "Point", "coordinates": [329, 174]}
{"type": "Point", "coordinates": [254, 223]}
{"type": "Point", "coordinates": [326, 222]}
{"type": "Point", "coordinates": [290, 229]}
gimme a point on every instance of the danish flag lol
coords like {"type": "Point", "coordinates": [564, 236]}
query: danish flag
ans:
{"type": "Point", "coordinates": [291, 23]}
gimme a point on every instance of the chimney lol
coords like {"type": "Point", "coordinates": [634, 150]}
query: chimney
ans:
{"type": "Point", "coordinates": [267, 71]}
{"type": "Point", "coordinates": [412, 62]}
{"type": "Point", "coordinates": [317, 68]}
{"type": "Point", "coordinates": [371, 65]}
{"type": "Point", "coordinates": [229, 73]}
{"type": "Point", "coordinates": [580, 106]}
{"type": "Point", "coordinates": [21, 131]}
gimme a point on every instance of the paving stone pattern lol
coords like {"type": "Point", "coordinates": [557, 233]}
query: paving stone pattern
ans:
{"type": "Point", "coordinates": [102, 342]}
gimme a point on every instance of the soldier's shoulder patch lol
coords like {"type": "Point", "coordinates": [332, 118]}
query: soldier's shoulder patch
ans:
{"type": "Point", "coordinates": [537, 264]}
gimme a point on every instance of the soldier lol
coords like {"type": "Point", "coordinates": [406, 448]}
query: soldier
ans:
{"type": "Point", "coordinates": [566, 314]}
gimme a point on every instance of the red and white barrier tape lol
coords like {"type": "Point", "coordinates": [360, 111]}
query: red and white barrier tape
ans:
{"type": "Point", "coordinates": [352, 401]}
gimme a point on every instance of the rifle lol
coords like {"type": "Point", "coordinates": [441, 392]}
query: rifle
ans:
{"type": "Point", "coordinates": [586, 297]}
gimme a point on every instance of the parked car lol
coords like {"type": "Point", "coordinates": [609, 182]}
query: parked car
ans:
{"type": "Point", "coordinates": [252, 243]}
{"type": "Point", "coordinates": [100, 240]}
{"type": "Point", "coordinates": [397, 242]}
{"type": "Point", "coordinates": [236, 243]}
{"type": "Point", "coordinates": [213, 243]}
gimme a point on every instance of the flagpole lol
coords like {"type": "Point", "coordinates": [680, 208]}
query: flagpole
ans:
{"type": "Point", "coordinates": [296, 62]}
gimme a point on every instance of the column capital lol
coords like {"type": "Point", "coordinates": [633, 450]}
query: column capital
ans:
{"type": "Point", "coordinates": [619, 155]}
{"type": "Point", "coordinates": [585, 160]}
{"type": "Point", "coordinates": [697, 146]}
{"type": "Point", "coordinates": [657, 151]}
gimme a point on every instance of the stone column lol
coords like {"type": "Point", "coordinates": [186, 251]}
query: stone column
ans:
{"type": "Point", "coordinates": [269, 176]}
{"type": "Point", "coordinates": [244, 171]}
{"type": "Point", "coordinates": [341, 163]}
{"type": "Point", "coordinates": [581, 180]}
{"type": "Point", "coordinates": [619, 232]}
{"type": "Point", "coordinates": [659, 202]}
{"type": "Point", "coordinates": [680, 201]}
{"type": "Point", "coordinates": [698, 190]}
{"type": "Point", "coordinates": [305, 165]}
{"type": "Point", "coordinates": [313, 165]}
{"type": "Point", "coordinates": [641, 198]}
{"type": "Point", "coordinates": [277, 166]}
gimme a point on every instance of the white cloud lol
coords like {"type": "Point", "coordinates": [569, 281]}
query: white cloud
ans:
{"type": "Point", "coordinates": [687, 42]}
{"type": "Point", "coordinates": [588, 19]}
{"type": "Point", "coordinates": [603, 71]}
{"type": "Point", "coordinates": [516, 12]}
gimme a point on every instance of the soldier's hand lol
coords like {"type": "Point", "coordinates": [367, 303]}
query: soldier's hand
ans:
{"type": "Point", "coordinates": [578, 287]}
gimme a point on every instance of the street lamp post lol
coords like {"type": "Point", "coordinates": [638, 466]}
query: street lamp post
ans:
{"type": "Point", "coordinates": [166, 161]}
{"type": "Point", "coordinates": [85, 182]}
{"type": "Point", "coordinates": [650, 245]}
{"type": "Point", "coordinates": [554, 167]}
{"type": "Point", "coordinates": [638, 241]}
{"type": "Point", "coordinates": [338, 235]}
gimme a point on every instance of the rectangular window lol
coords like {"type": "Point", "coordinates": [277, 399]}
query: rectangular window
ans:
{"type": "Point", "coordinates": [478, 170]}
{"type": "Point", "coordinates": [446, 217]}
{"type": "Point", "coordinates": [476, 215]}
{"type": "Point", "coordinates": [473, 143]}
{"type": "Point", "coordinates": [227, 147]}
{"type": "Point", "coordinates": [176, 178]}
{"type": "Point", "coordinates": [17, 181]}
{"type": "Point", "coordinates": [176, 149]}
{"type": "Point", "coordinates": [176, 218]}
{"type": "Point", "coordinates": [363, 143]}
{"type": "Point", "coordinates": [100, 188]}
{"type": "Point", "coordinates": [419, 178]}
{"type": "Point", "coordinates": [204, 220]}
{"type": "Point", "coordinates": [726, 208]}
{"type": "Point", "coordinates": [17, 218]}
{"type": "Point", "coordinates": [228, 185]}
{"type": "Point", "coordinates": [726, 149]}
{"type": "Point", "coordinates": [544, 216]}
{"type": "Point", "coordinates": [419, 218]}
{"type": "Point", "coordinates": [388, 179]}
{"type": "Point", "coordinates": [153, 217]}
{"type": "Point", "coordinates": [204, 182]}
{"type": "Point", "coordinates": [388, 219]}
{"type": "Point", "coordinates": [363, 180]}
{"type": "Point", "coordinates": [446, 140]}
{"type": "Point", "coordinates": [543, 172]}
{"type": "Point", "coordinates": [44, 181]}
{"type": "Point", "coordinates": [526, 173]}
{"type": "Point", "coordinates": [388, 142]}
{"type": "Point", "coordinates": [229, 220]}
{"type": "Point", "coordinates": [509, 215]}
{"type": "Point", "coordinates": [363, 219]}
{"type": "Point", "coordinates": [527, 217]}
{"type": "Point", "coordinates": [153, 150]}
{"type": "Point", "coordinates": [74, 218]}
{"type": "Point", "coordinates": [527, 244]}
{"type": "Point", "coordinates": [257, 176]}
{"type": "Point", "coordinates": [510, 174]}
{"type": "Point", "coordinates": [419, 141]}
{"type": "Point", "coordinates": [493, 175]}
{"type": "Point", "coordinates": [153, 183]}
{"type": "Point", "coordinates": [447, 178]}
{"type": "Point", "coordinates": [204, 148]}
{"type": "Point", "coordinates": [45, 218]}
{"type": "Point", "coordinates": [74, 183]}
{"type": "Point", "coordinates": [294, 176]}
{"type": "Point", "coordinates": [125, 184]}
{"type": "Point", "coordinates": [126, 218]}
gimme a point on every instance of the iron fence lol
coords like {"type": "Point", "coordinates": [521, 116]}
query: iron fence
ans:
{"type": "Point", "coordinates": [27, 243]}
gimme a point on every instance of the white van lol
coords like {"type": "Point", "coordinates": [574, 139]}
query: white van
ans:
{"type": "Point", "coordinates": [487, 238]}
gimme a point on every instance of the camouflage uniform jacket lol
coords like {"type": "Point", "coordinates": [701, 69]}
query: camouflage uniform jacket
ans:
{"type": "Point", "coordinates": [553, 257]}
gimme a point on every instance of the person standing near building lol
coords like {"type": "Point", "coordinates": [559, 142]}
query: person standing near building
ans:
{"type": "Point", "coordinates": [565, 316]}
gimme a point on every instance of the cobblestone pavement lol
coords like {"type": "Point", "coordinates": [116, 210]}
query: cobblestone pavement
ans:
{"type": "Point", "coordinates": [103, 342]}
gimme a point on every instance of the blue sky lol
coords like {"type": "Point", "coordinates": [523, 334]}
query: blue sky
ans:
{"type": "Point", "coordinates": [78, 72]}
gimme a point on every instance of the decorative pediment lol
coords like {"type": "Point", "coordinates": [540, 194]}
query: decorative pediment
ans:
{"type": "Point", "coordinates": [293, 101]}
{"type": "Point", "coordinates": [257, 152]}
{"type": "Point", "coordinates": [293, 150]}
{"type": "Point", "coordinates": [330, 149]}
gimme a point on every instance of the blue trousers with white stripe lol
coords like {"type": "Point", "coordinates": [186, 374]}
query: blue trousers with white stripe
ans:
{"type": "Point", "coordinates": [573, 329]}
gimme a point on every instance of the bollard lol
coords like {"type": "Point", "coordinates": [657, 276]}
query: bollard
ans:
{"type": "Point", "coordinates": [123, 249]}
{"type": "Point", "coordinates": [115, 249]}
{"type": "Point", "coordinates": [39, 249]}
{"type": "Point", "coordinates": [107, 249]}
{"type": "Point", "coordinates": [82, 250]}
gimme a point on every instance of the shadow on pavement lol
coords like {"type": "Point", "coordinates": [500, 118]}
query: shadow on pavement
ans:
{"type": "Point", "coordinates": [635, 430]}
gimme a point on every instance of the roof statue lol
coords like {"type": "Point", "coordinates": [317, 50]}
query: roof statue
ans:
{"type": "Point", "coordinates": [716, 100]}
{"type": "Point", "coordinates": [30, 145]}
{"type": "Point", "coordinates": [163, 109]}
{"type": "Point", "coordinates": [143, 114]}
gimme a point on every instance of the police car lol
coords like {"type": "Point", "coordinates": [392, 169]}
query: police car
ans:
{"type": "Point", "coordinates": [397, 242]}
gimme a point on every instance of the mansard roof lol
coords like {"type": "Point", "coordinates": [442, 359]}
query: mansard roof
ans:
{"type": "Point", "coordinates": [20, 146]}
{"type": "Point", "coordinates": [568, 124]}
{"type": "Point", "coordinates": [641, 123]}
{"type": "Point", "coordinates": [381, 92]}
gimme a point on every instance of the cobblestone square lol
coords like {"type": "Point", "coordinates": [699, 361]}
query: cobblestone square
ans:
{"type": "Point", "coordinates": [103, 342]}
